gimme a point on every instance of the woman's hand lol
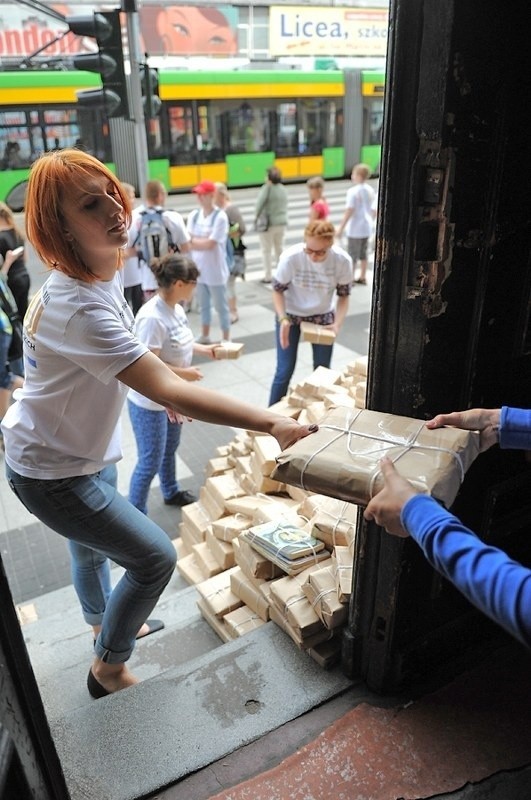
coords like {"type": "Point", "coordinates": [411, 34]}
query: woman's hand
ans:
{"type": "Point", "coordinates": [206, 350]}
{"type": "Point", "coordinates": [283, 333]}
{"type": "Point", "coordinates": [191, 373]}
{"type": "Point", "coordinates": [484, 420]}
{"type": "Point", "coordinates": [175, 417]}
{"type": "Point", "coordinates": [386, 506]}
{"type": "Point", "coordinates": [287, 431]}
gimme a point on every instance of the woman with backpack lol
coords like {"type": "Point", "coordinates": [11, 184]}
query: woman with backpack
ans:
{"type": "Point", "coordinates": [62, 433]}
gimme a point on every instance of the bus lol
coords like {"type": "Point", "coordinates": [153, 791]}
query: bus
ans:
{"type": "Point", "coordinates": [215, 125]}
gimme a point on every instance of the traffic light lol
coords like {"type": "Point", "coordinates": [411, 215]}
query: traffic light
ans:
{"type": "Point", "coordinates": [106, 29]}
{"type": "Point", "coordinates": [149, 79]}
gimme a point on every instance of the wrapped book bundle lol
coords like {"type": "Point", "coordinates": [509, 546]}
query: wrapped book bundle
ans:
{"type": "Point", "coordinates": [342, 458]}
{"type": "Point", "coordinates": [292, 549]}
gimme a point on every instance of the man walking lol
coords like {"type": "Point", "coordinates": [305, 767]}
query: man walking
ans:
{"type": "Point", "coordinates": [358, 219]}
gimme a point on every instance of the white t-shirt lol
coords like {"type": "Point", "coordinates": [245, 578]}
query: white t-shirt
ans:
{"type": "Point", "coordinates": [166, 329]}
{"type": "Point", "coordinates": [212, 264]}
{"type": "Point", "coordinates": [312, 284]}
{"type": "Point", "coordinates": [360, 198]}
{"type": "Point", "coordinates": [77, 338]}
{"type": "Point", "coordinates": [174, 223]}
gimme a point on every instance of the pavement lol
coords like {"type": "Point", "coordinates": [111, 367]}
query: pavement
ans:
{"type": "Point", "coordinates": [254, 719]}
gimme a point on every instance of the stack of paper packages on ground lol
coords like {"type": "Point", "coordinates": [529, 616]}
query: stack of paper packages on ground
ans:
{"type": "Point", "coordinates": [271, 538]}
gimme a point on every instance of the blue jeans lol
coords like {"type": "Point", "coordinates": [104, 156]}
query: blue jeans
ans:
{"type": "Point", "coordinates": [287, 359]}
{"type": "Point", "coordinates": [217, 295]}
{"type": "Point", "coordinates": [101, 524]}
{"type": "Point", "coordinates": [157, 440]}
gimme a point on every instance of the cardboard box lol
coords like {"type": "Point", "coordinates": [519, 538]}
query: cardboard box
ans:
{"type": "Point", "coordinates": [228, 350]}
{"type": "Point", "coordinates": [342, 458]}
{"type": "Point", "coordinates": [317, 334]}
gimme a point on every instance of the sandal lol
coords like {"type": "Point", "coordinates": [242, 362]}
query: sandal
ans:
{"type": "Point", "coordinates": [234, 318]}
{"type": "Point", "coordinates": [362, 281]}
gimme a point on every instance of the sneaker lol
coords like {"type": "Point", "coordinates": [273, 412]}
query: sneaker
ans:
{"type": "Point", "coordinates": [203, 340]}
{"type": "Point", "coordinates": [182, 498]}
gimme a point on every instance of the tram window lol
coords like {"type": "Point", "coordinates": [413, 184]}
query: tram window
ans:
{"type": "Point", "coordinates": [15, 148]}
{"type": "Point", "coordinates": [248, 129]}
{"type": "Point", "coordinates": [373, 121]}
{"type": "Point", "coordinates": [181, 125]}
{"type": "Point", "coordinates": [209, 133]}
{"type": "Point", "coordinates": [287, 141]}
{"type": "Point", "coordinates": [318, 121]}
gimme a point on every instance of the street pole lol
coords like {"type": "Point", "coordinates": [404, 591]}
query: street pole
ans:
{"type": "Point", "coordinates": [137, 109]}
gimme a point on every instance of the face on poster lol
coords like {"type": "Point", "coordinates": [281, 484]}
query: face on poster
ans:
{"type": "Point", "coordinates": [165, 30]}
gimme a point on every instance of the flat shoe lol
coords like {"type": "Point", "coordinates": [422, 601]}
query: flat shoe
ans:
{"type": "Point", "coordinates": [154, 625]}
{"type": "Point", "coordinates": [362, 281]}
{"type": "Point", "coordinates": [96, 690]}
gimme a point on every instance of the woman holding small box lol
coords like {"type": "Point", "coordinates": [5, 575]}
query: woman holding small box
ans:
{"type": "Point", "coordinates": [309, 276]}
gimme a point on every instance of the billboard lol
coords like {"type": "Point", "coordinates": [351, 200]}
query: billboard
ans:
{"type": "Point", "coordinates": [327, 31]}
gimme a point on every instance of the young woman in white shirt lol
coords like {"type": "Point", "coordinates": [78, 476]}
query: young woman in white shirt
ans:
{"type": "Point", "coordinates": [62, 433]}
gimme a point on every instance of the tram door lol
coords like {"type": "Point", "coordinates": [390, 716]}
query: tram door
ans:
{"type": "Point", "coordinates": [450, 326]}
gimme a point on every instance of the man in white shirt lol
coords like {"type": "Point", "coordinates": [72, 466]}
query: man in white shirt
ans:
{"type": "Point", "coordinates": [154, 198]}
{"type": "Point", "coordinates": [358, 218]}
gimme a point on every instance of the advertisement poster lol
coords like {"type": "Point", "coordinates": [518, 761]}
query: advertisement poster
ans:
{"type": "Point", "coordinates": [327, 31]}
{"type": "Point", "coordinates": [166, 30]}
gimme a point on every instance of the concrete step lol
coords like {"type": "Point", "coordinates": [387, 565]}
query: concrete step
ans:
{"type": "Point", "coordinates": [198, 701]}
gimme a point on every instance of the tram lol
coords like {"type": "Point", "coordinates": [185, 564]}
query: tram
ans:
{"type": "Point", "coordinates": [224, 126]}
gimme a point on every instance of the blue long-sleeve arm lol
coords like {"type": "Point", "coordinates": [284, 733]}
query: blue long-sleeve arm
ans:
{"type": "Point", "coordinates": [515, 428]}
{"type": "Point", "coordinates": [494, 583]}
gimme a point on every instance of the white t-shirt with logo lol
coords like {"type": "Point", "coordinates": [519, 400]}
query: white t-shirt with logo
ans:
{"type": "Point", "coordinates": [312, 284]}
{"type": "Point", "coordinates": [66, 418]}
{"type": "Point", "coordinates": [166, 329]}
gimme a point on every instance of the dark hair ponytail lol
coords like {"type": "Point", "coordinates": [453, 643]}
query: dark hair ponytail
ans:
{"type": "Point", "coordinates": [173, 267]}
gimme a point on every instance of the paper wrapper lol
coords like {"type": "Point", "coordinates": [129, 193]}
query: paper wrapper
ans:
{"type": "Point", "coordinates": [343, 562]}
{"type": "Point", "coordinates": [217, 594]}
{"type": "Point", "coordinates": [249, 593]}
{"type": "Point", "coordinates": [242, 621]}
{"type": "Point", "coordinates": [216, 624]}
{"type": "Point", "coordinates": [317, 334]}
{"type": "Point", "coordinates": [342, 458]}
{"type": "Point", "coordinates": [320, 589]}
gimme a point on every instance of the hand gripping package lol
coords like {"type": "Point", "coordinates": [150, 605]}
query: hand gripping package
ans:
{"type": "Point", "coordinates": [342, 459]}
